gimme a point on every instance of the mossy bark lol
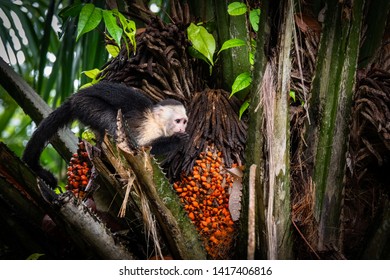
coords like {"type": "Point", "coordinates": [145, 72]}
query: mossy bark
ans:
{"type": "Point", "coordinates": [255, 153]}
{"type": "Point", "coordinates": [278, 135]}
{"type": "Point", "coordinates": [329, 110]}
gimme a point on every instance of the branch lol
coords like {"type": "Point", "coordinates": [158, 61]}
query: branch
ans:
{"type": "Point", "coordinates": [33, 105]}
{"type": "Point", "coordinates": [180, 234]}
{"type": "Point", "coordinates": [19, 188]}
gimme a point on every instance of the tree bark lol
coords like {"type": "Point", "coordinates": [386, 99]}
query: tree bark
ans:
{"type": "Point", "coordinates": [329, 109]}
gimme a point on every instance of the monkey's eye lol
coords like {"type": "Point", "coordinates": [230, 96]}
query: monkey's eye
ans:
{"type": "Point", "coordinates": [177, 120]}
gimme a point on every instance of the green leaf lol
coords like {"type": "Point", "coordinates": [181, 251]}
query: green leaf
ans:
{"type": "Point", "coordinates": [243, 108]}
{"type": "Point", "coordinates": [254, 18]}
{"type": "Point", "coordinates": [292, 95]}
{"type": "Point", "coordinates": [129, 28]}
{"type": "Point", "coordinates": [89, 135]}
{"type": "Point", "coordinates": [242, 81]}
{"type": "Point", "coordinates": [237, 9]}
{"type": "Point", "coordinates": [112, 50]}
{"type": "Point", "coordinates": [232, 43]}
{"type": "Point", "coordinates": [112, 27]}
{"type": "Point", "coordinates": [202, 41]}
{"type": "Point", "coordinates": [91, 73]}
{"type": "Point", "coordinates": [90, 17]}
{"type": "Point", "coordinates": [194, 53]}
{"type": "Point", "coordinates": [86, 85]}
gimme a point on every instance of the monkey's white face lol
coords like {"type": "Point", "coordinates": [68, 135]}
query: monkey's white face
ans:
{"type": "Point", "coordinates": [180, 124]}
{"type": "Point", "coordinates": [173, 119]}
{"type": "Point", "coordinates": [178, 120]}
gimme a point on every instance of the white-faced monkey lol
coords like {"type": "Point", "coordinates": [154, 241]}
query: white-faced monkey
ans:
{"type": "Point", "coordinates": [161, 126]}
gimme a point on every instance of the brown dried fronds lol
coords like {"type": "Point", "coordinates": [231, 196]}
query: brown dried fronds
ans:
{"type": "Point", "coordinates": [304, 55]}
{"type": "Point", "coordinates": [213, 117]}
{"type": "Point", "coordinates": [370, 128]}
{"type": "Point", "coordinates": [161, 66]}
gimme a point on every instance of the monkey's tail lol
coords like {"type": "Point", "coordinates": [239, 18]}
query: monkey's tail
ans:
{"type": "Point", "coordinates": [46, 129]}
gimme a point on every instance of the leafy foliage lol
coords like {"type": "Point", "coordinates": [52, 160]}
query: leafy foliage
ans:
{"type": "Point", "coordinates": [91, 16]}
{"type": "Point", "coordinates": [237, 9]}
{"type": "Point", "coordinates": [202, 41]}
{"type": "Point", "coordinates": [38, 40]}
{"type": "Point", "coordinates": [232, 43]}
{"type": "Point", "coordinates": [242, 81]}
{"type": "Point", "coordinates": [89, 19]}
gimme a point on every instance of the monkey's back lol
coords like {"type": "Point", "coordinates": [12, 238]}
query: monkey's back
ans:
{"type": "Point", "coordinates": [118, 96]}
{"type": "Point", "coordinates": [97, 106]}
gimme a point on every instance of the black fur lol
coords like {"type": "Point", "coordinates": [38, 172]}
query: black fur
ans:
{"type": "Point", "coordinates": [165, 145]}
{"type": "Point", "coordinates": [96, 107]}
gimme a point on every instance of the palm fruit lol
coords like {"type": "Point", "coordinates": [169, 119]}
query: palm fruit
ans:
{"type": "Point", "coordinates": [79, 172]}
{"type": "Point", "coordinates": [205, 196]}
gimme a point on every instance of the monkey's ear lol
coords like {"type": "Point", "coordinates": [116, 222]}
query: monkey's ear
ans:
{"type": "Point", "coordinates": [158, 111]}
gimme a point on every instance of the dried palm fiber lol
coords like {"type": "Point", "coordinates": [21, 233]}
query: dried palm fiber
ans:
{"type": "Point", "coordinates": [161, 66]}
{"type": "Point", "coordinates": [370, 129]}
{"type": "Point", "coordinates": [368, 160]}
{"type": "Point", "coordinates": [213, 120]}
{"type": "Point", "coordinates": [304, 54]}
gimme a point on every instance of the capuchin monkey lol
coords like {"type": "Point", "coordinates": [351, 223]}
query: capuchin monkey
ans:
{"type": "Point", "coordinates": [161, 126]}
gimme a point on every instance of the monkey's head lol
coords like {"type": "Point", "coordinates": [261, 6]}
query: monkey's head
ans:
{"type": "Point", "coordinates": [172, 115]}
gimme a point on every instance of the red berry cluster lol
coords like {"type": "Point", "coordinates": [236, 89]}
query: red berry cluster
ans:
{"type": "Point", "coordinates": [79, 172]}
{"type": "Point", "coordinates": [205, 195]}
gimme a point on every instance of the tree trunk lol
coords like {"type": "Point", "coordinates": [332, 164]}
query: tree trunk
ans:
{"type": "Point", "coordinates": [278, 142]}
{"type": "Point", "coordinates": [329, 110]}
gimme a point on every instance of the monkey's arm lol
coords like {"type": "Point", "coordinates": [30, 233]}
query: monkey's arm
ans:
{"type": "Point", "coordinates": [165, 145]}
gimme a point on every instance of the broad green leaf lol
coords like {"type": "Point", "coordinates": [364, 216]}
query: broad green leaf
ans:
{"type": "Point", "coordinates": [194, 53]}
{"type": "Point", "coordinates": [242, 81]}
{"type": "Point", "coordinates": [90, 17]}
{"type": "Point", "coordinates": [202, 41]}
{"type": "Point", "coordinates": [112, 50]}
{"type": "Point", "coordinates": [112, 27]}
{"type": "Point", "coordinates": [237, 9]}
{"type": "Point", "coordinates": [232, 43]}
{"type": "Point", "coordinates": [91, 73]}
{"type": "Point", "coordinates": [243, 108]}
{"type": "Point", "coordinates": [254, 18]}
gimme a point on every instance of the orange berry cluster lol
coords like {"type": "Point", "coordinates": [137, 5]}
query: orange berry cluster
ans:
{"type": "Point", "coordinates": [205, 195]}
{"type": "Point", "coordinates": [79, 172]}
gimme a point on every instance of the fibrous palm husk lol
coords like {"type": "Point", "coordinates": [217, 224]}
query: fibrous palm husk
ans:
{"type": "Point", "coordinates": [213, 119]}
{"type": "Point", "coordinates": [161, 66]}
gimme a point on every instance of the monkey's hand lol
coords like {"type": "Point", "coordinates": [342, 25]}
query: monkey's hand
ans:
{"type": "Point", "coordinates": [182, 137]}
{"type": "Point", "coordinates": [166, 145]}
